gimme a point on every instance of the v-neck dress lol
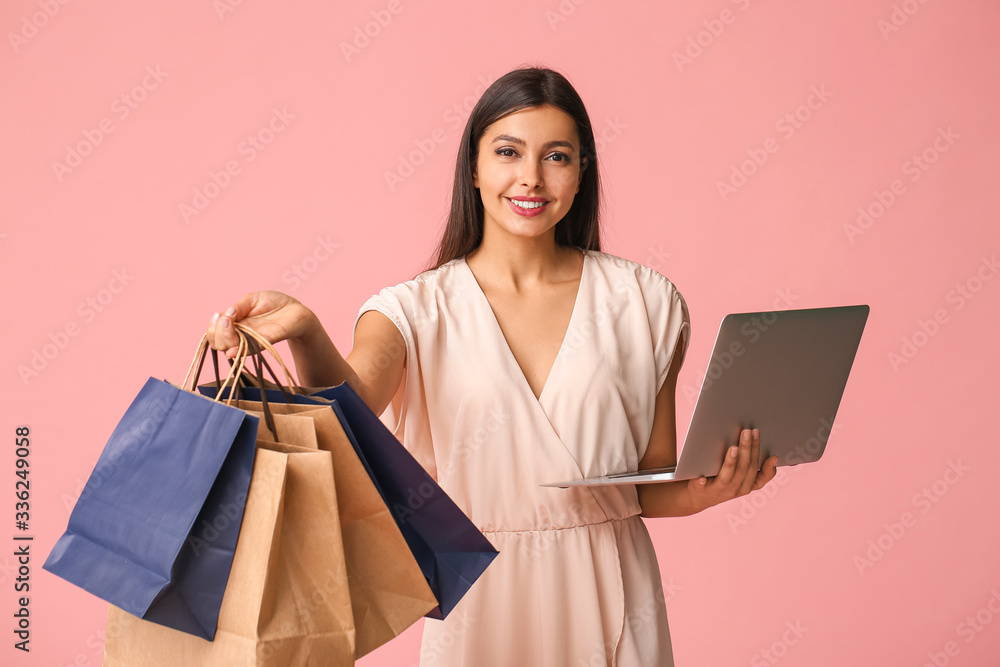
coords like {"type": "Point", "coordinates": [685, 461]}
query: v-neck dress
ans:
{"type": "Point", "coordinates": [577, 581]}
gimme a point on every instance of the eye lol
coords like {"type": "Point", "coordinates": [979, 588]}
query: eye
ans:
{"type": "Point", "coordinates": [504, 152]}
{"type": "Point", "coordinates": [562, 157]}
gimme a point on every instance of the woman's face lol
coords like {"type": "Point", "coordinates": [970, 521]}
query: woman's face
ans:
{"type": "Point", "coordinates": [528, 170]}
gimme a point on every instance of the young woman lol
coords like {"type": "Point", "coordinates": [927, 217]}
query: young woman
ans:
{"type": "Point", "coordinates": [526, 355]}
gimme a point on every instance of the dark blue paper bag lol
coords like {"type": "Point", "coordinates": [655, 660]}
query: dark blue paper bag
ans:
{"type": "Point", "coordinates": [451, 551]}
{"type": "Point", "coordinates": [154, 531]}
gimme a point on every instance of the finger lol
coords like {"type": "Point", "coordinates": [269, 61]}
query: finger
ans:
{"type": "Point", "coordinates": [725, 476]}
{"type": "Point", "coordinates": [239, 310]}
{"type": "Point", "coordinates": [211, 330]}
{"type": "Point", "coordinates": [225, 336]}
{"type": "Point", "coordinates": [243, 306]}
{"type": "Point", "coordinates": [750, 477]}
{"type": "Point", "coordinates": [767, 472]}
{"type": "Point", "coordinates": [742, 460]}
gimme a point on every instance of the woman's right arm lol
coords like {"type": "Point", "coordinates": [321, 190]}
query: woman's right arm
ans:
{"type": "Point", "coordinates": [373, 369]}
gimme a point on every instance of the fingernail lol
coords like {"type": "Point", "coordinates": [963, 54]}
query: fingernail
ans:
{"type": "Point", "coordinates": [231, 311]}
{"type": "Point", "coordinates": [732, 452]}
{"type": "Point", "coordinates": [215, 318]}
{"type": "Point", "coordinates": [225, 322]}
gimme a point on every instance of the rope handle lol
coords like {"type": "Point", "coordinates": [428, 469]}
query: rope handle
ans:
{"type": "Point", "coordinates": [248, 347]}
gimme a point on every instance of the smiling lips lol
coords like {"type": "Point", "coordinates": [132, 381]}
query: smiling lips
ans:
{"type": "Point", "coordinates": [527, 206]}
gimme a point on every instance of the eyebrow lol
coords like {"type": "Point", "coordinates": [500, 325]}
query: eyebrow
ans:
{"type": "Point", "coordinates": [515, 140]}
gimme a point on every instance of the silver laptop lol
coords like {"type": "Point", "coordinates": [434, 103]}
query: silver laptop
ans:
{"type": "Point", "coordinates": [783, 372]}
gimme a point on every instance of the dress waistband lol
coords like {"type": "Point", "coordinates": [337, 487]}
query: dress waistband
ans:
{"type": "Point", "coordinates": [549, 530]}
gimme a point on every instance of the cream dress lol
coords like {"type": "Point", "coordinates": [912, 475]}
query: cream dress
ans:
{"type": "Point", "coordinates": [577, 580]}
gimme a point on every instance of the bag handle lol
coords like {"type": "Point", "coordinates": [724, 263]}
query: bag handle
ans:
{"type": "Point", "coordinates": [253, 335]}
{"type": "Point", "coordinates": [246, 334]}
{"type": "Point", "coordinates": [293, 386]}
{"type": "Point", "coordinates": [246, 348]}
{"type": "Point", "coordinates": [277, 382]}
{"type": "Point", "coordinates": [199, 357]}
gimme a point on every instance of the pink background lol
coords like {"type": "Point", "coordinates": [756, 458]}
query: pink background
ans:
{"type": "Point", "coordinates": [890, 76]}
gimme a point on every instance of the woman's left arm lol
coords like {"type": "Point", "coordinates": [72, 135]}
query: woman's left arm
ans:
{"type": "Point", "coordinates": [739, 474]}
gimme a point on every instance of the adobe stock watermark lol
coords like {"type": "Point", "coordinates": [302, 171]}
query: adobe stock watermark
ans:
{"type": "Point", "coordinates": [607, 312]}
{"type": "Point", "coordinates": [363, 35]}
{"type": "Point", "coordinates": [248, 150]}
{"type": "Point", "coordinates": [223, 7]}
{"type": "Point", "coordinates": [637, 617]}
{"type": "Point", "coordinates": [302, 270]}
{"type": "Point", "coordinates": [87, 310]}
{"type": "Point", "coordinates": [327, 590]}
{"type": "Point", "coordinates": [562, 12]}
{"type": "Point", "coordinates": [967, 629]}
{"type": "Point", "coordinates": [712, 30]}
{"type": "Point", "coordinates": [122, 107]}
{"type": "Point", "coordinates": [610, 131]}
{"type": "Point", "coordinates": [924, 501]}
{"type": "Point", "coordinates": [267, 482]}
{"type": "Point", "coordinates": [32, 24]}
{"type": "Point", "coordinates": [93, 656]}
{"type": "Point", "coordinates": [787, 125]}
{"type": "Point", "coordinates": [752, 332]}
{"type": "Point", "coordinates": [752, 503]}
{"type": "Point", "coordinates": [898, 17]}
{"type": "Point", "coordinates": [454, 118]}
{"type": "Point", "coordinates": [914, 167]}
{"type": "Point", "coordinates": [567, 515]}
{"type": "Point", "coordinates": [814, 446]}
{"type": "Point", "coordinates": [8, 569]}
{"type": "Point", "coordinates": [457, 627]}
{"type": "Point", "coordinates": [657, 258]}
{"type": "Point", "coordinates": [779, 648]}
{"type": "Point", "coordinates": [426, 320]}
{"type": "Point", "coordinates": [126, 444]}
{"type": "Point", "coordinates": [957, 297]}
{"type": "Point", "coordinates": [470, 444]}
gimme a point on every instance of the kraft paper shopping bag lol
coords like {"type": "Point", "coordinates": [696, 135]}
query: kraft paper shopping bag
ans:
{"type": "Point", "coordinates": [388, 590]}
{"type": "Point", "coordinates": [451, 552]}
{"type": "Point", "coordinates": [288, 601]}
{"type": "Point", "coordinates": [174, 464]}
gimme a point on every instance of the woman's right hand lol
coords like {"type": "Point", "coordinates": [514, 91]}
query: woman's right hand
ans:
{"type": "Point", "coordinates": [274, 315]}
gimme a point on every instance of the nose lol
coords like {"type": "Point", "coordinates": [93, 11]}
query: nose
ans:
{"type": "Point", "coordinates": [531, 174]}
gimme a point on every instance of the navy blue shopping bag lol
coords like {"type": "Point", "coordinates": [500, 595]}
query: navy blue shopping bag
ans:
{"type": "Point", "coordinates": [451, 552]}
{"type": "Point", "coordinates": [154, 531]}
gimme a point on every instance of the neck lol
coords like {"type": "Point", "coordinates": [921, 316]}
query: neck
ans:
{"type": "Point", "coordinates": [519, 262]}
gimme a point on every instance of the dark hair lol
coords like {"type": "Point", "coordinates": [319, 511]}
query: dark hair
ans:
{"type": "Point", "coordinates": [520, 89]}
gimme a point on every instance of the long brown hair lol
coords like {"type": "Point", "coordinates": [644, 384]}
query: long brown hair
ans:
{"type": "Point", "coordinates": [520, 89]}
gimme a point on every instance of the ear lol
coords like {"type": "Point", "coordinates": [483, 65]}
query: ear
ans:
{"type": "Point", "coordinates": [475, 178]}
{"type": "Point", "coordinates": [583, 168]}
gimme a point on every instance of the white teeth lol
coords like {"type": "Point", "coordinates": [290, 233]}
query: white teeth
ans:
{"type": "Point", "coordinates": [528, 204]}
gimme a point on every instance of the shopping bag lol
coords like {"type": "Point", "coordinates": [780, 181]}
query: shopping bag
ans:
{"type": "Point", "coordinates": [287, 603]}
{"type": "Point", "coordinates": [388, 590]}
{"type": "Point", "coordinates": [174, 464]}
{"type": "Point", "coordinates": [451, 552]}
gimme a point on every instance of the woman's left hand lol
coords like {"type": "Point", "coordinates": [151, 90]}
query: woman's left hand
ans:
{"type": "Point", "coordinates": [739, 475]}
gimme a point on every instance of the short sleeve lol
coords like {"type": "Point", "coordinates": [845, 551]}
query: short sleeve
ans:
{"type": "Point", "coordinates": [389, 305]}
{"type": "Point", "coordinates": [669, 321]}
{"type": "Point", "coordinates": [406, 415]}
